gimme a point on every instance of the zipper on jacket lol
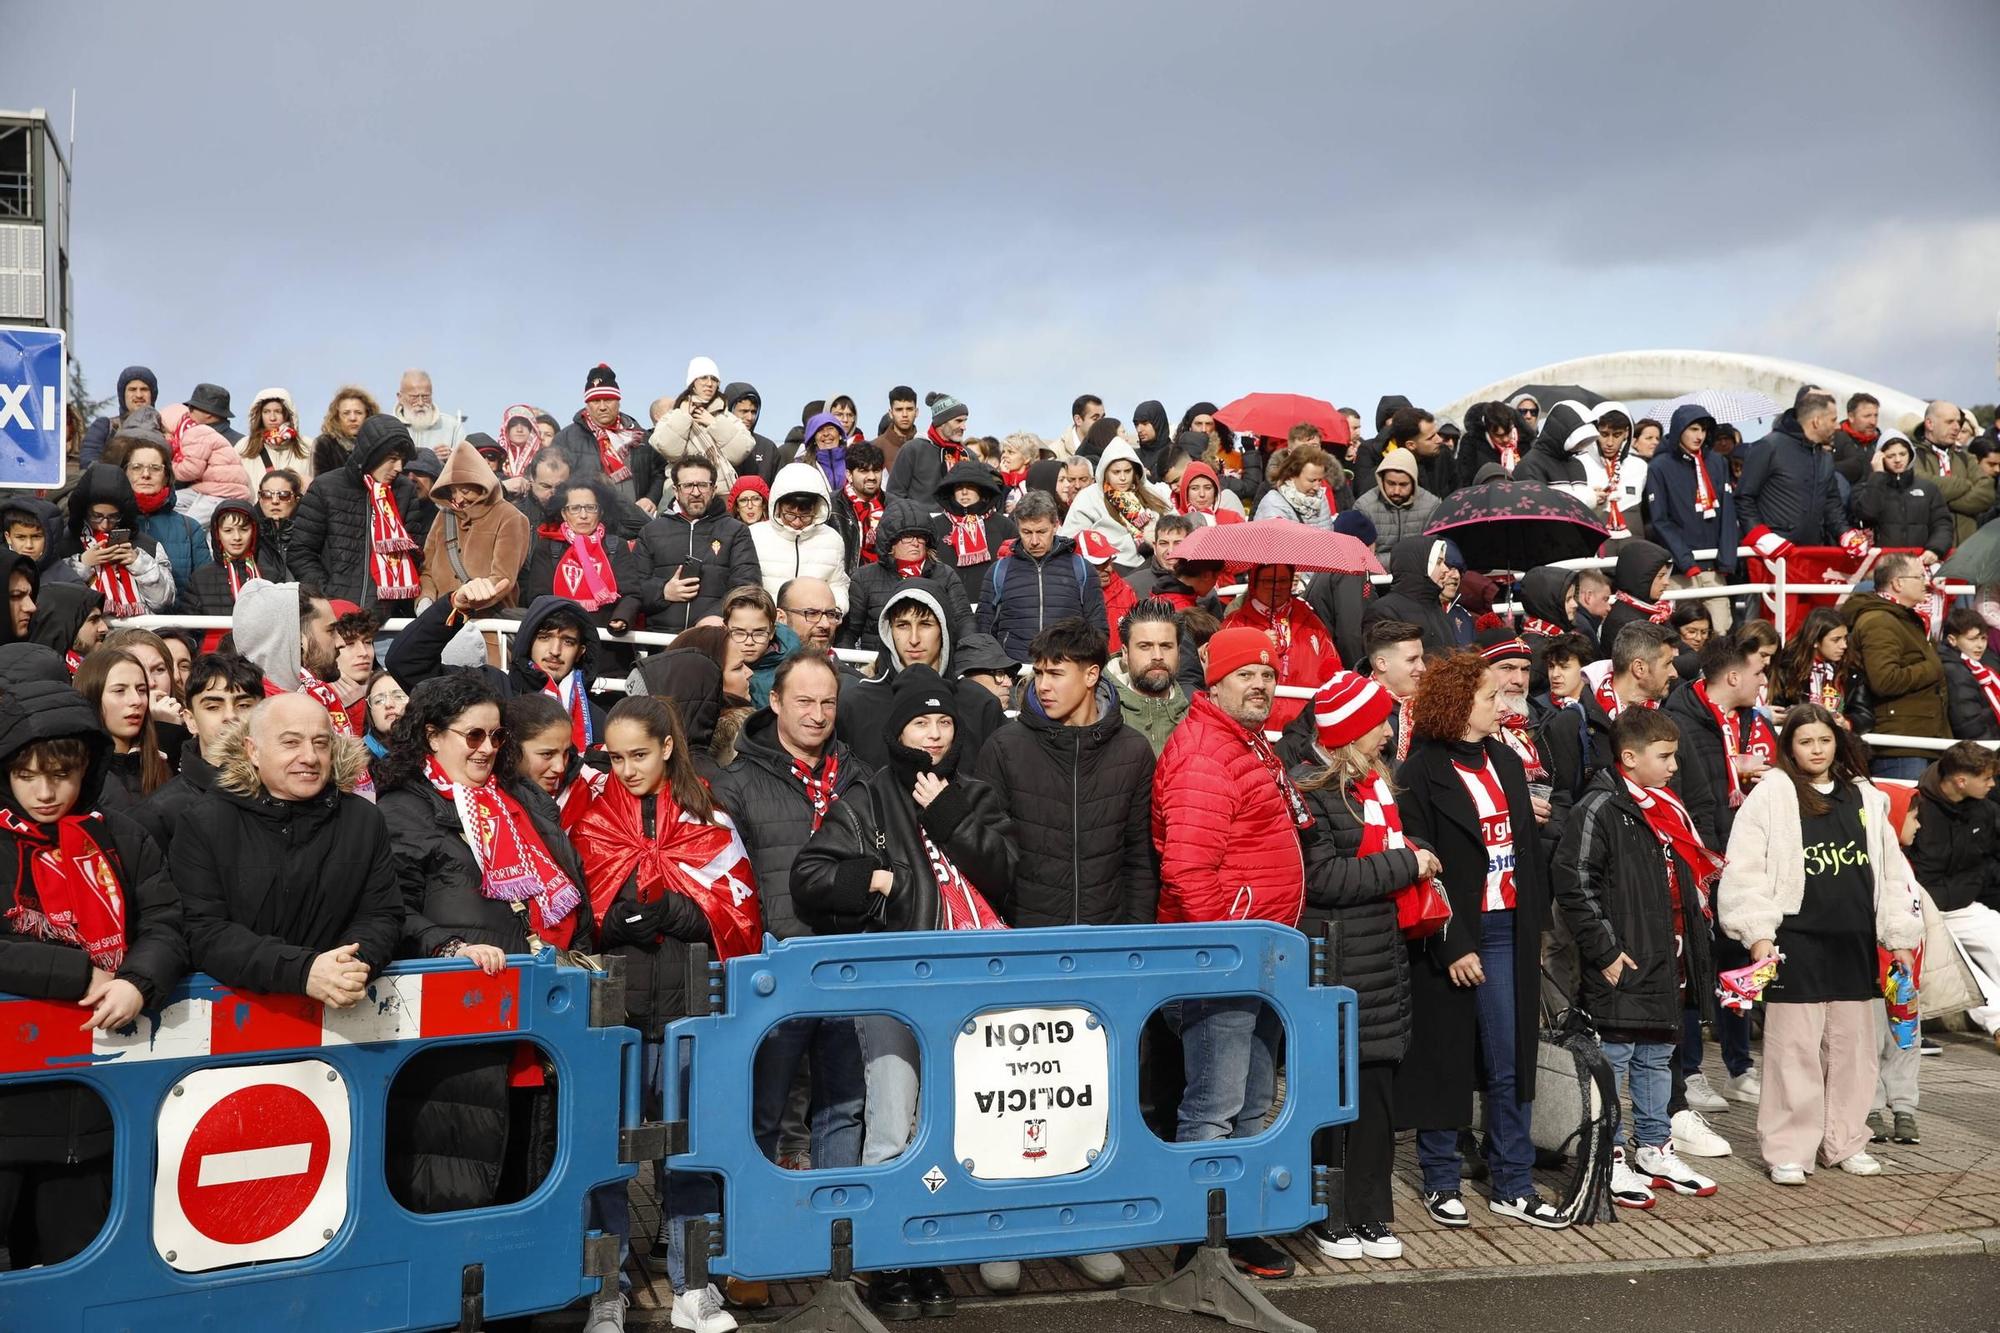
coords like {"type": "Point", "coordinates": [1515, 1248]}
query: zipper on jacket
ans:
{"type": "Point", "coordinates": [1075, 833]}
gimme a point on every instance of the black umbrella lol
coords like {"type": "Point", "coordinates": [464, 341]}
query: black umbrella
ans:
{"type": "Point", "coordinates": [1548, 395]}
{"type": "Point", "coordinates": [1977, 559]}
{"type": "Point", "coordinates": [1516, 525]}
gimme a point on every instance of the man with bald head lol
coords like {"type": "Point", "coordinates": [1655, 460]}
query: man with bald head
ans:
{"type": "Point", "coordinates": [806, 606]}
{"type": "Point", "coordinates": [286, 878]}
{"type": "Point", "coordinates": [1967, 483]}
{"type": "Point", "coordinates": [415, 408]}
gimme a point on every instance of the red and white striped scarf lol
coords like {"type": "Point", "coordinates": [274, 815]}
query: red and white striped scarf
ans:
{"type": "Point", "coordinates": [248, 570]}
{"type": "Point", "coordinates": [1496, 831]}
{"type": "Point", "coordinates": [961, 905]}
{"type": "Point", "coordinates": [1515, 732]}
{"type": "Point", "coordinates": [1704, 489]}
{"type": "Point", "coordinates": [575, 701]}
{"type": "Point", "coordinates": [513, 865]}
{"type": "Point", "coordinates": [1657, 612]}
{"type": "Point", "coordinates": [389, 544]}
{"type": "Point", "coordinates": [1381, 821]}
{"type": "Point", "coordinates": [867, 513]}
{"type": "Point", "coordinates": [583, 573]}
{"type": "Point", "coordinates": [1988, 681]}
{"type": "Point", "coordinates": [1607, 699]}
{"type": "Point", "coordinates": [614, 447]}
{"type": "Point", "coordinates": [518, 459]}
{"type": "Point", "coordinates": [114, 583]}
{"type": "Point", "coordinates": [1614, 517]}
{"type": "Point", "coordinates": [1732, 741]}
{"type": "Point", "coordinates": [968, 539]}
{"type": "Point", "coordinates": [819, 789]}
{"type": "Point", "coordinates": [1671, 824]}
{"type": "Point", "coordinates": [1547, 629]}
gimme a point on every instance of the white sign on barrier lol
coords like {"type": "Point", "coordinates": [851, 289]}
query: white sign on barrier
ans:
{"type": "Point", "coordinates": [252, 1165]}
{"type": "Point", "coordinates": [1032, 1093]}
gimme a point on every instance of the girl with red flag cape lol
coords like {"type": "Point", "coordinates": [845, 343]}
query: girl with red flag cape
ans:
{"type": "Point", "coordinates": [666, 870]}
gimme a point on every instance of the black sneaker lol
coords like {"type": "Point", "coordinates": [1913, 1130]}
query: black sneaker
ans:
{"type": "Point", "coordinates": [1257, 1257]}
{"type": "Point", "coordinates": [933, 1293]}
{"type": "Point", "coordinates": [1447, 1208]}
{"type": "Point", "coordinates": [1334, 1242]}
{"type": "Point", "coordinates": [1925, 1046]}
{"type": "Point", "coordinates": [1530, 1208]}
{"type": "Point", "coordinates": [1377, 1241]}
{"type": "Point", "coordinates": [891, 1296]}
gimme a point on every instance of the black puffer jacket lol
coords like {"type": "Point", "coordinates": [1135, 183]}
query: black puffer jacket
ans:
{"type": "Point", "coordinates": [653, 939]}
{"type": "Point", "coordinates": [60, 611]}
{"type": "Point", "coordinates": [1022, 596]}
{"type": "Point", "coordinates": [1610, 882]}
{"type": "Point", "coordinates": [878, 825]}
{"type": "Point", "coordinates": [450, 1115]}
{"type": "Point", "coordinates": [1972, 718]}
{"type": "Point", "coordinates": [715, 548]}
{"type": "Point", "coordinates": [1954, 852]}
{"type": "Point", "coordinates": [417, 653]}
{"type": "Point", "coordinates": [773, 814]}
{"type": "Point", "coordinates": [158, 813]}
{"type": "Point", "coordinates": [1412, 596]}
{"type": "Point", "coordinates": [1905, 509]}
{"type": "Point", "coordinates": [330, 545]}
{"type": "Point", "coordinates": [271, 884]}
{"type": "Point", "coordinates": [873, 585]}
{"type": "Point", "coordinates": [1703, 761]}
{"type": "Point", "coordinates": [65, 1122]}
{"type": "Point", "coordinates": [999, 528]}
{"type": "Point", "coordinates": [1082, 803]}
{"type": "Point", "coordinates": [207, 593]}
{"type": "Point", "coordinates": [1350, 894]}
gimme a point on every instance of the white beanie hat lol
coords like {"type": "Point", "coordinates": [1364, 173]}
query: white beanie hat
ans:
{"type": "Point", "coordinates": [701, 365]}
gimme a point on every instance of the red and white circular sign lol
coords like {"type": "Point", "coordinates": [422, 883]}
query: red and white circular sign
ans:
{"type": "Point", "coordinates": [252, 1165]}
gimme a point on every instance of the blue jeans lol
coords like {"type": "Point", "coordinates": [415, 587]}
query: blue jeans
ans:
{"type": "Point", "coordinates": [1230, 1054]}
{"type": "Point", "coordinates": [1510, 1152]}
{"type": "Point", "coordinates": [889, 1070]}
{"type": "Point", "coordinates": [1910, 766]}
{"type": "Point", "coordinates": [1647, 1068]}
{"type": "Point", "coordinates": [684, 1195]}
{"type": "Point", "coordinates": [835, 1071]}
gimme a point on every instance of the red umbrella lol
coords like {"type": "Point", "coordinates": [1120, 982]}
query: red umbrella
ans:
{"type": "Point", "coordinates": [1272, 416]}
{"type": "Point", "coordinates": [1279, 541]}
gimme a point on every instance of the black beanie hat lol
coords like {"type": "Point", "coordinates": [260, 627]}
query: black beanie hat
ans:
{"type": "Point", "coordinates": [601, 382]}
{"type": "Point", "coordinates": [918, 690]}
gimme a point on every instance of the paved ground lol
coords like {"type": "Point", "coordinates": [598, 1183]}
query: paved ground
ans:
{"type": "Point", "coordinates": [1939, 1195]}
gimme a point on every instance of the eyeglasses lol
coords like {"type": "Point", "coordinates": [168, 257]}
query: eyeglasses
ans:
{"type": "Point", "coordinates": [145, 470]}
{"type": "Point", "coordinates": [277, 495]}
{"type": "Point", "coordinates": [813, 613]}
{"type": "Point", "coordinates": [476, 737]}
{"type": "Point", "coordinates": [99, 519]}
{"type": "Point", "coordinates": [579, 509]}
{"type": "Point", "coordinates": [750, 635]}
{"type": "Point", "coordinates": [694, 485]}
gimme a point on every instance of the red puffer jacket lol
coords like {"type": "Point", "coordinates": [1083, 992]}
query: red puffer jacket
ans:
{"type": "Point", "coordinates": [1228, 849]}
{"type": "Point", "coordinates": [1313, 658]}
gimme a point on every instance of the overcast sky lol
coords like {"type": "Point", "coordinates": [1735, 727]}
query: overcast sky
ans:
{"type": "Point", "coordinates": [1017, 201]}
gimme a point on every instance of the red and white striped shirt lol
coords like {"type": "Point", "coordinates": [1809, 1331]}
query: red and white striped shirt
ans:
{"type": "Point", "coordinates": [1495, 830]}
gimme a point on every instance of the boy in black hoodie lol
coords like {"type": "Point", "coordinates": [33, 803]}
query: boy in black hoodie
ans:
{"type": "Point", "coordinates": [234, 537]}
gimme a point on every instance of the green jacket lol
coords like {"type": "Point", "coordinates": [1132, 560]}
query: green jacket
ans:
{"type": "Point", "coordinates": [1900, 665]}
{"type": "Point", "coordinates": [1154, 718]}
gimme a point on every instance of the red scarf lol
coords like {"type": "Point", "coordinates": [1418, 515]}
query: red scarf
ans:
{"type": "Point", "coordinates": [114, 583]}
{"type": "Point", "coordinates": [389, 562]}
{"type": "Point", "coordinates": [1607, 699]}
{"type": "Point", "coordinates": [71, 894]}
{"type": "Point", "coordinates": [968, 539]}
{"type": "Point", "coordinates": [1704, 489]}
{"type": "Point", "coordinates": [578, 795]}
{"type": "Point", "coordinates": [268, 440]}
{"type": "Point", "coordinates": [867, 513]}
{"type": "Point", "coordinates": [612, 446]}
{"type": "Point", "coordinates": [1732, 741]}
{"type": "Point", "coordinates": [961, 905]}
{"type": "Point", "coordinates": [910, 569]}
{"type": "Point", "coordinates": [158, 500]}
{"type": "Point", "coordinates": [1988, 681]}
{"type": "Point", "coordinates": [72, 659]}
{"type": "Point", "coordinates": [1657, 612]}
{"type": "Point", "coordinates": [819, 790]}
{"type": "Point", "coordinates": [1548, 629]}
{"type": "Point", "coordinates": [574, 699]}
{"type": "Point", "coordinates": [952, 452]}
{"type": "Point", "coordinates": [1381, 821]}
{"type": "Point", "coordinates": [519, 459]}
{"type": "Point", "coordinates": [1943, 457]}
{"type": "Point", "coordinates": [514, 867]}
{"type": "Point", "coordinates": [1670, 823]}
{"type": "Point", "coordinates": [703, 862]}
{"type": "Point", "coordinates": [1406, 710]}
{"type": "Point", "coordinates": [1514, 731]}
{"type": "Point", "coordinates": [583, 572]}
{"type": "Point", "coordinates": [241, 571]}
{"type": "Point", "coordinates": [323, 693]}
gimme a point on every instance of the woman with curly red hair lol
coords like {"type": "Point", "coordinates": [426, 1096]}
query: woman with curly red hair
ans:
{"type": "Point", "coordinates": [1473, 986]}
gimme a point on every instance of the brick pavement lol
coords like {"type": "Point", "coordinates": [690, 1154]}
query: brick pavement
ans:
{"type": "Point", "coordinates": [1948, 1184]}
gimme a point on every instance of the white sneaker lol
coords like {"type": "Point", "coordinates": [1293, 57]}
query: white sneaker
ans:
{"type": "Point", "coordinates": [607, 1313]}
{"type": "Point", "coordinates": [1694, 1138]}
{"type": "Point", "coordinates": [1701, 1097]}
{"type": "Point", "coordinates": [1002, 1277]}
{"type": "Point", "coordinates": [1628, 1188]}
{"type": "Point", "coordinates": [700, 1311]}
{"type": "Point", "coordinates": [1861, 1164]}
{"type": "Point", "coordinates": [1744, 1087]}
{"type": "Point", "coordinates": [1788, 1173]}
{"type": "Point", "coordinates": [1105, 1270]}
{"type": "Point", "coordinates": [1667, 1171]}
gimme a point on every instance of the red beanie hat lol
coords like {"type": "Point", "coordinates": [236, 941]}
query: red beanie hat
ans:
{"type": "Point", "coordinates": [1236, 647]}
{"type": "Point", "coordinates": [1347, 708]}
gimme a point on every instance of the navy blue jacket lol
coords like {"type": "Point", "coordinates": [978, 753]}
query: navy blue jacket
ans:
{"type": "Point", "coordinates": [1670, 488]}
{"type": "Point", "coordinates": [1788, 486]}
{"type": "Point", "coordinates": [1024, 596]}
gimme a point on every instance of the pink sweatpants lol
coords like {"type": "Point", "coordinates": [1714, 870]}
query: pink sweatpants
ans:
{"type": "Point", "coordinates": [1819, 1077]}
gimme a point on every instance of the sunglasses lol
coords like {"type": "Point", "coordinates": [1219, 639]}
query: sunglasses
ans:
{"type": "Point", "coordinates": [277, 495]}
{"type": "Point", "coordinates": [477, 737]}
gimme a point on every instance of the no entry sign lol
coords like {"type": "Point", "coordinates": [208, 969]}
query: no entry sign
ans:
{"type": "Point", "coordinates": [252, 1165]}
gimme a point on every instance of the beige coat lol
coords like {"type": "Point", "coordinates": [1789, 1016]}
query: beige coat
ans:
{"type": "Point", "coordinates": [493, 536]}
{"type": "Point", "coordinates": [725, 442]}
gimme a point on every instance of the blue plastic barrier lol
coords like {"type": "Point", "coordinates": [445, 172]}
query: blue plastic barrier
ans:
{"type": "Point", "coordinates": [237, 1205]}
{"type": "Point", "coordinates": [1011, 1197]}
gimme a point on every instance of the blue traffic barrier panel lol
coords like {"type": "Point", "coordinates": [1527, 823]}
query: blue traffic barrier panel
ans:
{"type": "Point", "coordinates": [249, 1187]}
{"type": "Point", "coordinates": [1029, 1141]}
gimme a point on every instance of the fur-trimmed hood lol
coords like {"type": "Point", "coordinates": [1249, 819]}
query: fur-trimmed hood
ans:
{"type": "Point", "coordinates": [238, 775]}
